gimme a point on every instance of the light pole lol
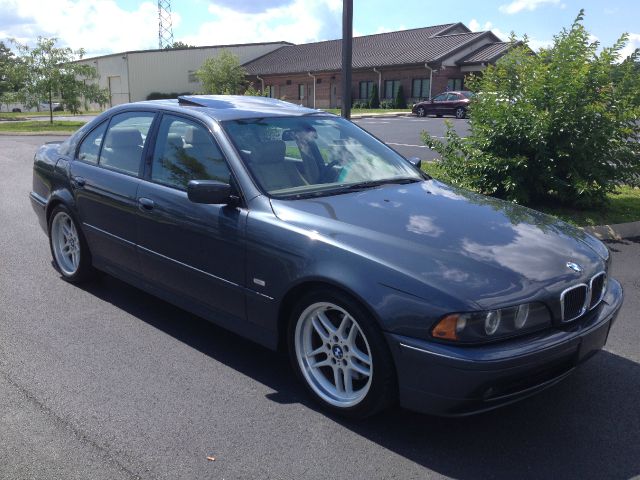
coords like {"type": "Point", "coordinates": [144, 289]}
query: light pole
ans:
{"type": "Point", "coordinates": [347, 40]}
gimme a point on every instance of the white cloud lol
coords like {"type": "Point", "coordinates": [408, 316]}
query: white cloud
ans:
{"type": "Point", "coordinates": [322, 20]}
{"type": "Point", "coordinates": [475, 26]}
{"type": "Point", "coordinates": [634, 42]}
{"type": "Point", "coordinates": [520, 5]}
{"type": "Point", "coordinates": [99, 26]}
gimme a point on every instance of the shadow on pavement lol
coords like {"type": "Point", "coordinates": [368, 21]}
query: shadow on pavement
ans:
{"type": "Point", "coordinates": [586, 427]}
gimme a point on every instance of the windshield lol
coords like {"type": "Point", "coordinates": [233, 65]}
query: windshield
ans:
{"type": "Point", "coordinates": [310, 156]}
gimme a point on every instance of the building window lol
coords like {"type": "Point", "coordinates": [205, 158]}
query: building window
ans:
{"type": "Point", "coordinates": [192, 76]}
{"type": "Point", "coordinates": [301, 91]}
{"type": "Point", "coordinates": [366, 89]}
{"type": "Point", "coordinates": [454, 84]}
{"type": "Point", "coordinates": [420, 88]}
{"type": "Point", "coordinates": [271, 91]}
{"type": "Point", "coordinates": [391, 88]}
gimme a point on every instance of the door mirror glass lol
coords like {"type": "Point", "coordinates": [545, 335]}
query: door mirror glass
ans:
{"type": "Point", "coordinates": [415, 161]}
{"type": "Point", "coordinates": [209, 192]}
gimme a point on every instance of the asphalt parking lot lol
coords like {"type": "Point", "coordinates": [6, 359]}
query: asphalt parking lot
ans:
{"type": "Point", "coordinates": [105, 381]}
{"type": "Point", "coordinates": [403, 133]}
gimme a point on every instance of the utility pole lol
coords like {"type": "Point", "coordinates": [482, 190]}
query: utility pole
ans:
{"type": "Point", "coordinates": [347, 41]}
{"type": "Point", "coordinates": [165, 26]}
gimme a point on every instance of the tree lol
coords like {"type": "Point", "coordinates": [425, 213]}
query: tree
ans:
{"type": "Point", "coordinates": [374, 101]}
{"type": "Point", "coordinates": [555, 127]}
{"type": "Point", "coordinates": [400, 101]}
{"type": "Point", "coordinates": [178, 44]}
{"type": "Point", "coordinates": [222, 75]}
{"type": "Point", "coordinates": [49, 70]}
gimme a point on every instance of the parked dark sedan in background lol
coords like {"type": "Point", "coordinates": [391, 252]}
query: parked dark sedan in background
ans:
{"type": "Point", "coordinates": [447, 103]}
{"type": "Point", "coordinates": [299, 230]}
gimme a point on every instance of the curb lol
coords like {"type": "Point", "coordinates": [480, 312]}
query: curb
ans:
{"type": "Point", "coordinates": [381, 115]}
{"type": "Point", "coordinates": [618, 231]}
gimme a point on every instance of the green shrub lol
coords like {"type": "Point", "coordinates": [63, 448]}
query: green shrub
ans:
{"type": "Point", "coordinates": [386, 104]}
{"type": "Point", "coordinates": [401, 101]}
{"type": "Point", "coordinates": [556, 127]}
{"type": "Point", "coordinates": [374, 101]}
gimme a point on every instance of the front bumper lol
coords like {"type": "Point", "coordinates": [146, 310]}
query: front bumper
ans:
{"type": "Point", "coordinates": [452, 380]}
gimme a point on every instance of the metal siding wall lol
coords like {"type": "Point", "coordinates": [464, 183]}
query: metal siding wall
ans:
{"type": "Point", "coordinates": [111, 66]}
{"type": "Point", "coordinates": [168, 71]}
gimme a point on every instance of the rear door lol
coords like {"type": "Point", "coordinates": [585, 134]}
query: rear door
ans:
{"type": "Point", "coordinates": [105, 176]}
{"type": "Point", "coordinates": [195, 251]}
{"type": "Point", "coordinates": [437, 106]}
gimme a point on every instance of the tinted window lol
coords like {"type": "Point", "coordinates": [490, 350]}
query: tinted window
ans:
{"type": "Point", "coordinates": [124, 141]}
{"type": "Point", "coordinates": [440, 98]}
{"type": "Point", "coordinates": [452, 97]}
{"type": "Point", "coordinates": [185, 151]}
{"type": "Point", "coordinates": [90, 146]}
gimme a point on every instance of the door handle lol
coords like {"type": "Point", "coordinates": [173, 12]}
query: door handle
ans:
{"type": "Point", "coordinates": [78, 182]}
{"type": "Point", "coordinates": [146, 203]}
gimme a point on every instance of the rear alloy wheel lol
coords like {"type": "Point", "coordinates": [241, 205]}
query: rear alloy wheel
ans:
{"type": "Point", "coordinates": [68, 246]}
{"type": "Point", "coordinates": [421, 112]}
{"type": "Point", "coordinates": [341, 355]}
{"type": "Point", "coordinates": [461, 112]}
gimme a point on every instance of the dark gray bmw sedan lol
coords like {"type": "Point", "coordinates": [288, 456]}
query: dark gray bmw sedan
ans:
{"type": "Point", "coordinates": [298, 230]}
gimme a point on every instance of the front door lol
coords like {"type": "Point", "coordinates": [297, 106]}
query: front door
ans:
{"type": "Point", "coordinates": [193, 250]}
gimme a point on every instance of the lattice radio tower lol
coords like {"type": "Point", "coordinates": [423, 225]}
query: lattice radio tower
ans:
{"type": "Point", "coordinates": [165, 28]}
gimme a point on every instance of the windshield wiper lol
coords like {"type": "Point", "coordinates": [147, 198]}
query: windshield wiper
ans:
{"type": "Point", "coordinates": [378, 183]}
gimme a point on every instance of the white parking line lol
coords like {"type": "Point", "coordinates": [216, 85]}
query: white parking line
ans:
{"type": "Point", "coordinates": [407, 145]}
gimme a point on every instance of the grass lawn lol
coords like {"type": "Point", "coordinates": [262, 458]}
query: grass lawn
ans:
{"type": "Point", "coordinates": [26, 115]}
{"type": "Point", "coordinates": [356, 111]}
{"type": "Point", "coordinates": [58, 126]}
{"type": "Point", "coordinates": [623, 206]}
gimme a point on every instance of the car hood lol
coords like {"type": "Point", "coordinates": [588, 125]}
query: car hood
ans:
{"type": "Point", "coordinates": [470, 246]}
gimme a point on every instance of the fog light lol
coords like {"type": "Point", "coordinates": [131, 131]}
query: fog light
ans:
{"type": "Point", "coordinates": [492, 322]}
{"type": "Point", "coordinates": [521, 316]}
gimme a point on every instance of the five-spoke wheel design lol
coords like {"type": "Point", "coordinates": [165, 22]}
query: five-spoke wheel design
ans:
{"type": "Point", "coordinates": [65, 243]}
{"type": "Point", "coordinates": [460, 112]}
{"type": "Point", "coordinates": [333, 354]}
{"type": "Point", "coordinates": [421, 112]}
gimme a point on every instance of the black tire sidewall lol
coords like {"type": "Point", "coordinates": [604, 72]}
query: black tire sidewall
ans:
{"type": "Point", "coordinates": [85, 269]}
{"type": "Point", "coordinates": [383, 389]}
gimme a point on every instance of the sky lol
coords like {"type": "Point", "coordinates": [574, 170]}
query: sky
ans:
{"type": "Point", "coordinates": [109, 26]}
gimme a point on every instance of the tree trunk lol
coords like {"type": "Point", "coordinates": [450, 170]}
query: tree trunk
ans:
{"type": "Point", "coordinates": [50, 108]}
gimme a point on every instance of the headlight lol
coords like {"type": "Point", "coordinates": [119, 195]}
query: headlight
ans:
{"type": "Point", "coordinates": [474, 327]}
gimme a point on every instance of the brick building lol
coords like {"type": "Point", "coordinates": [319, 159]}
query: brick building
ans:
{"type": "Point", "coordinates": [425, 61]}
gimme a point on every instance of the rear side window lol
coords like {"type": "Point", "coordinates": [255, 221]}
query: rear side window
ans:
{"type": "Point", "coordinates": [186, 151]}
{"type": "Point", "coordinates": [90, 146]}
{"type": "Point", "coordinates": [124, 142]}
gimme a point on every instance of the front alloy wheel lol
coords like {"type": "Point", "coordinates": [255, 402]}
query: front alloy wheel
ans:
{"type": "Point", "coordinates": [460, 112]}
{"type": "Point", "coordinates": [333, 354]}
{"type": "Point", "coordinates": [421, 112]}
{"type": "Point", "coordinates": [340, 354]}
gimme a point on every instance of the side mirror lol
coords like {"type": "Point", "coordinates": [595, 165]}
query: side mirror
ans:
{"type": "Point", "coordinates": [209, 192]}
{"type": "Point", "coordinates": [415, 161]}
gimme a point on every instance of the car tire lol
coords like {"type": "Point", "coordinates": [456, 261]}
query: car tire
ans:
{"type": "Point", "coordinates": [69, 248]}
{"type": "Point", "coordinates": [460, 113]}
{"type": "Point", "coordinates": [340, 355]}
{"type": "Point", "coordinates": [421, 112]}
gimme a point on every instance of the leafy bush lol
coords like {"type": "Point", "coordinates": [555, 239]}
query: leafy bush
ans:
{"type": "Point", "coordinates": [374, 101]}
{"type": "Point", "coordinates": [558, 127]}
{"type": "Point", "coordinates": [401, 101]}
{"type": "Point", "coordinates": [386, 104]}
{"type": "Point", "coordinates": [360, 104]}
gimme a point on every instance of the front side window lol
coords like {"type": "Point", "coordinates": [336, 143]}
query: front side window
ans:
{"type": "Point", "coordinates": [290, 157]}
{"type": "Point", "coordinates": [186, 151]}
{"type": "Point", "coordinates": [124, 142]}
{"type": "Point", "coordinates": [90, 147]}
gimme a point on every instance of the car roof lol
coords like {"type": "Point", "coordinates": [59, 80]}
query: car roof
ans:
{"type": "Point", "coordinates": [231, 107]}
